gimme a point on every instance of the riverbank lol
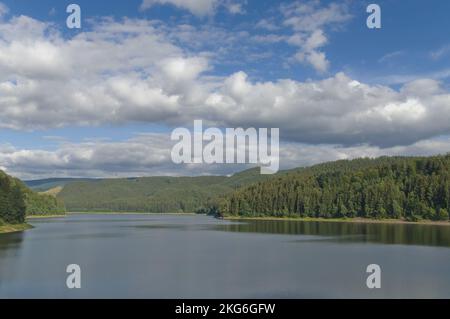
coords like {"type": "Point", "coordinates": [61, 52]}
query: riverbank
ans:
{"type": "Point", "coordinates": [7, 228]}
{"type": "Point", "coordinates": [344, 220]}
{"type": "Point", "coordinates": [45, 216]}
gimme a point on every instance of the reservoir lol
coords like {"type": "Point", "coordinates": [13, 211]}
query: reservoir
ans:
{"type": "Point", "coordinates": [175, 256]}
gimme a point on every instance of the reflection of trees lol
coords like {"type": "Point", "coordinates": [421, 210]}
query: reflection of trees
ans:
{"type": "Point", "coordinates": [406, 234]}
{"type": "Point", "coordinates": [9, 244]}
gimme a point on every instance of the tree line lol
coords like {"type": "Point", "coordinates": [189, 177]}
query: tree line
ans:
{"type": "Point", "coordinates": [17, 201]}
{"type": "Point", "coordinates": [398, 187]}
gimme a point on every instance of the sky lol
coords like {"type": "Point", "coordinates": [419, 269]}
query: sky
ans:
{"type": "Point", "coordinates": [102, 100]}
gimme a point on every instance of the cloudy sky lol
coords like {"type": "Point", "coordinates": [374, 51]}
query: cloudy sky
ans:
{"type": "Point", "coordinates": [101, 101]}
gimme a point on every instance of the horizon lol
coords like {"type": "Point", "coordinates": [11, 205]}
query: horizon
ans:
{"type": "Point", "coordinates": [237, 172]}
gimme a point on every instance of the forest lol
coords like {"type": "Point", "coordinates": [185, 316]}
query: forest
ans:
{"type": "Point", "coordinates": [410, 188]}
{"type": "Point", "coordinates": [12, 201]}
{"type": "Point", "coordinates": [17, 201]}
{"type": "Point", "coordinates": [152, 194]}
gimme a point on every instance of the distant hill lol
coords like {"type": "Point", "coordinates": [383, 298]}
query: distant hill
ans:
{"type": "Point", "coordinates": [388, 187]}
{"type": "Point", "coordinates": [152, 194]}
{"type": "Point", "coordinates": [43, 185]}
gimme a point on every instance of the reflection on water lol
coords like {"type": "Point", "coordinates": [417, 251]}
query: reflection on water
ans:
{"type": "Point", "coordinates": [137, 256]}
{"type": "Point", "coordinates": [404, 234]}
{"type": "Point", "coordinates": [10, 243]}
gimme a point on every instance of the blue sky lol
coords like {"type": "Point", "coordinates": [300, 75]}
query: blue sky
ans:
{"type": "Point", "coordinates": [303, 53]}
{"type": "Point", "coordinates": [413, 29]}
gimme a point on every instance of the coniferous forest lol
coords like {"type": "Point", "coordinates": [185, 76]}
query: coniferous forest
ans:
{"type": "Point", "coordinates": [398, 188]}
{"type": "Point", "coordinates": [409, 188]}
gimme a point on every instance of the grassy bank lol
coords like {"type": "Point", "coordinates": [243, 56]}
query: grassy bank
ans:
{"type": "Point", "coordinates": [6, 228]}
{"type": "Point", "coordinates": [343, 220]}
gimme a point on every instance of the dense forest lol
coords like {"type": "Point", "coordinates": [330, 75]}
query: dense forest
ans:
{"type": "Point", "coordinates": [17, 201]}
{"type": "Point", "coordinates": [397, 187]}
{"type": "Point", "coordinates": [411, 188]}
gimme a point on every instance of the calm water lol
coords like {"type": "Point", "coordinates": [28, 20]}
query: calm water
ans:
{"type": "Point", "coordinates": [142, 256]}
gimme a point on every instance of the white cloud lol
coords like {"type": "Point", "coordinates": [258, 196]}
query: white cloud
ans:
{"type": "Point", "coordinates": [336, 110]}
{"type": "Point", "coordinates": [196, 7]}
{"type": "Point", "coordinates": [199, 8]}
{"type": "Point", "coordinates": [395, 79]}
{"type": "Point", "coordinates": [149, 155]}
{"type": "Point", "coordinates": [267, 24]}
{"type": "Point", "coordinates": [134, 71]}
{"type": "Point", "coordinates": [391, 55]}
{"type": "Point", "coordinates": [438, 54]}
{"type": "Point", "coordinates": [309, 20]}
{"type": "Point", "coordinates": [309, 50]}
{"type": "Point", "coordinates": [310, 16]}
{"type": "Point", "coordinates": [235, 7]}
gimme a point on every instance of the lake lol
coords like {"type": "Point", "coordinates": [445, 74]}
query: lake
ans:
{"type": "Point", "coordinates": [173, 256]}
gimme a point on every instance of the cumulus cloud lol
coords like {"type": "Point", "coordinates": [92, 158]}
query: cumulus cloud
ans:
{"type": "Point", "coordinates": [149, 155]}
{"type": "Point", "coordinates": [335, 110]}
{"type": "Point", "coordinates": [100, 158]}
{"type": "Point", "coordinates": [128, 71]}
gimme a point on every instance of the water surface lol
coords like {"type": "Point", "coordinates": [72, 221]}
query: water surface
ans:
{"type": "Point", "coordinates": [169, 256]}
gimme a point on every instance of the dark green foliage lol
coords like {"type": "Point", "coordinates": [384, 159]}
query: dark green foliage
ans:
{"type": "Point", "coordinates": [17, 201]}
{"type": "Point", "coordinates": [406, 188]}
{"type": "Point", "coordinates": [12, 201]}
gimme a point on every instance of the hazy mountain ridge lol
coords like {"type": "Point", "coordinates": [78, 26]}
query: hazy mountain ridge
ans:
{"type": "Point", "coordinates": [43, 185]}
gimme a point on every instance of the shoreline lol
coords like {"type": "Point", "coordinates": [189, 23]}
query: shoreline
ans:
{"type": "Point", "coordinates": [129, 213]}
{"type": "Point", "coordinates": [44, 216]}
{"type": "Point", "coordinates": [263, 218]}
{"type": "Point", "coordinates": [343, 220]}
{"type": "Point", "coordinates": [8, 228]}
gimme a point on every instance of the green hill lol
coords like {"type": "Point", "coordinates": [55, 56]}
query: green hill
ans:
{"type": "Point", "coordinates": [152, 194]}
{"type": "Point", "coordinates": [398, 187]}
